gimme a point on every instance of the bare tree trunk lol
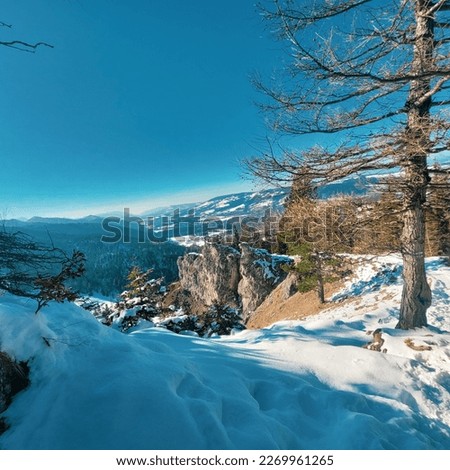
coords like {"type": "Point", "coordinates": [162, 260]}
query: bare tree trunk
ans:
{"type": "Point", "coordinates": [416, 295]}
{"type": "Point", "coordinates": [320, 289]}
{"type": "Point", "coordinates": [320, 286]}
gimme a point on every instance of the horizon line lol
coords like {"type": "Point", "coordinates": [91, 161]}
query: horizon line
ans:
{"type": "Point", "coordinates": [141, 206]}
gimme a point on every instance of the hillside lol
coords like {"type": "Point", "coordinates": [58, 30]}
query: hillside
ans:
{"type": "Point", "coordinates": [231, 205]}
{"type": "Point", "coordinates": [294, 385]}
{"type": "Point", "coordinates": [108, 263]}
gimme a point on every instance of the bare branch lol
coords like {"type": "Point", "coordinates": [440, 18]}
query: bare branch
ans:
{"type": "Point", "coordinates": [25, 46]}
{"type": "Point", "coordinates": [323, 11]}
{"type": "Point", "coordinates": [439, 5]}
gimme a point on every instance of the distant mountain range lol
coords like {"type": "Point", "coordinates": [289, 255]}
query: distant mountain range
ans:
{"type": "Point", "coordinates": [224, 207]}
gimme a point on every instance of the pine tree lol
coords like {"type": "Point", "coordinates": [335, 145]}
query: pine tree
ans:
{"type": "Point", "coordinates": [142, 298]}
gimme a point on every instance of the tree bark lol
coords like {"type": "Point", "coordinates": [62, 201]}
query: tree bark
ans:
{"type": "Point", "coordinates": [320, 286]}
{"type": "Point", "coordinates": [416, 295]}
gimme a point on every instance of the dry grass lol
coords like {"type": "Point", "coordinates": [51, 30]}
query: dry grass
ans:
{"type": "Point", "coordinates": [410, 343]}
{"type": "Point", "coordinates": [277, 308]}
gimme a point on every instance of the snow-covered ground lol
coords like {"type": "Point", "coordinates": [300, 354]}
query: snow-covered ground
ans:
{"type": "Point", "coordinates": [295, 385]}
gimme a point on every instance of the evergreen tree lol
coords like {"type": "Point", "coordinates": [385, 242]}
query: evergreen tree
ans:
{"type": "Point", "coordinates": [142, 298]}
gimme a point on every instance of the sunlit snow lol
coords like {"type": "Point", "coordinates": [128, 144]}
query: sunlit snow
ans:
{"type": "Point", "coordinates": [295, 385]}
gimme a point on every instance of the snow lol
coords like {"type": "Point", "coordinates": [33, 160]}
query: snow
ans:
{"type": "Point", "coordinates": [237, 208]}
{"type": "Point", "coordinates": [269, 262]}
{"type": "Point", "coordinates": [267, 269]}
{"type": "Point", "coordinates": [243, 204]}
{"type": "Point", "coordinates": [189, 241]}
{"type": "Point", "coordinates": [371, 275]}
{"type": "Point", "coordinates": [295, 385]}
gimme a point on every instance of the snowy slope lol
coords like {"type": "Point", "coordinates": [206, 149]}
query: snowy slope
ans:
{"type": "Point", "coordinates": [294, 385]}
{"type": "Point", "coordinates": [244, 204]}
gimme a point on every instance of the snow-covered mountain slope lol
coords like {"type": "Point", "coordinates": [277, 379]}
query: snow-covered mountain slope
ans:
{"type": "Point", "coordinates": [232, 205]}
{"type": "Point", "coordinates": [257, 203]}
{"type": "Point", "coordinates": [244, 204]}
{"type": "Point", "coordinates": [295, 385]}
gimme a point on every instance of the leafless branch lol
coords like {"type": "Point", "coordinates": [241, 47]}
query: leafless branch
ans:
{"type": "Point", "coordinates": [25, 46]}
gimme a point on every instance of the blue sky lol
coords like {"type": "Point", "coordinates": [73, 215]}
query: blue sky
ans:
{"type": "Point", "coordinates": [140, 103]}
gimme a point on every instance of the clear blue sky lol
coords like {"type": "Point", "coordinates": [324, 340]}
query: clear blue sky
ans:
{"type": "Point", "coordinates": [141, 102]}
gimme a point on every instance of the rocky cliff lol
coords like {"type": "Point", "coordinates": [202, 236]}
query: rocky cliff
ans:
{"type": "Point", "coordinates": [241, 278]}
{"type": "Point", "coordinates": [211, 276]}
{"type": "Point", "coordinates": [260, 273]}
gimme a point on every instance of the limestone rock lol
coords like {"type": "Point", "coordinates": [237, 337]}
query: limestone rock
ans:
{"type": "Point", "coordinates": [224, 275]}
{"type": "Point", "coordinates": [211, 276]}
{"type": "Point", "coordinates": [261, 273]}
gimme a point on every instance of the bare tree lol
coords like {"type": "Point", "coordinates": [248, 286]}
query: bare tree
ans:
{"type": "Point", "coordinates": [30, 269]}
{"type": "Point", "coordinates": [22, 45]}
{"type": "Point", "coordinates": [374, 75]}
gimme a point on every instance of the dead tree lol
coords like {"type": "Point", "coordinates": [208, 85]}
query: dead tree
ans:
{"type": "Point", "coordinates": [374, 77]}
{"type": "Point", "coordinates": [33, 270]}
{"type": "Point", "coordinates": [21, 45]}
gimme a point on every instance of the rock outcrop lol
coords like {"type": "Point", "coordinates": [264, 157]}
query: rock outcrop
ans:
{"type": "Point", "coordinates": [211, 276]}
{"type": "Point", "coordinates": [239, 278]}
{"type": "Point", "coordinates": [260, 273]}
